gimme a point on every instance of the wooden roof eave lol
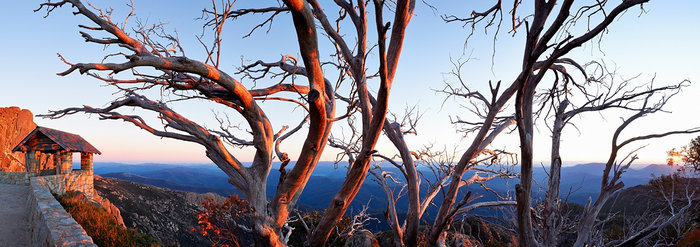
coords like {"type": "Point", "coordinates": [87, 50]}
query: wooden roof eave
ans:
{"type": "Point", "coordinates": [20, 146]}
{"type": "Point", "coordinates": [50, 135]}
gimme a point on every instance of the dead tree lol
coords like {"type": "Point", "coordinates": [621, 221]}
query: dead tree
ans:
{"type": "Point", "coordinates": [372, 108]}
{"type": "Point", "coordinates": [547, 42]}
{"type": "Point", "coordinates": [441, 168]}
{"type": "Point", "coordinates": [490, 125]}
{"type": "Point", "coordinates": [489, 113]}
{"type": "Point", "coordinates": [614, 168]}
{"type": "Point", "coordinates": [597, 93]}
{"type": "Point", "coordinates": [169, 70]}
{"type": "Point", "coordinates": [680, 196]}
{"type": "Point", "coordinates": [440, 165]}
{"type": "Point", "coordinates": [437, 168]}
{"type": "Point", "coordinates": [350, 149]}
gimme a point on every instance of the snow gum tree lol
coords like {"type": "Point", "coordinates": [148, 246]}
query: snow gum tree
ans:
{"type": "Point", "coordinates": [156, 60]}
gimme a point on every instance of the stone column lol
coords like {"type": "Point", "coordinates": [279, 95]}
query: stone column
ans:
{"type": "Point", "coordinates": [64, 162]}
{"type": "Point", "coordinates": [31, 162]}
{"type": "Point", "coordinates": [86, 162]}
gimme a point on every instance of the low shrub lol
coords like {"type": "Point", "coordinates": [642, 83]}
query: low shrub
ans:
{"type": "Point", "coordinates": [100, 225]}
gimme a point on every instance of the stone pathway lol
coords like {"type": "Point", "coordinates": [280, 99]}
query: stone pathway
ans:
{"type": "Point", "coordinates": [14, 229]}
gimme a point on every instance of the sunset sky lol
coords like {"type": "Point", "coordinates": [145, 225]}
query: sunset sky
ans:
{"type": "Point", "coordinates": [662, 42]}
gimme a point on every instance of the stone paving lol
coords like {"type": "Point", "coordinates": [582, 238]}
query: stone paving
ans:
{"type": "Point", "coordinates": [14, 230]}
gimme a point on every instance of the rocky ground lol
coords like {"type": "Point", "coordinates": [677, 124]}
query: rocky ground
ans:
{"type": "Point", "coordinates": [164, 214]}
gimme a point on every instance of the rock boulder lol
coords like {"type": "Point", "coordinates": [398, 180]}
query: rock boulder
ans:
{"type": "Point", "coordinates": [362, 238]}
{"type": "Point", "coordinates": [15, 124]}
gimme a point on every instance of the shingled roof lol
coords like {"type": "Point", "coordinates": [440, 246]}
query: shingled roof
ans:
{"type": "Point", "coordinates": [64, 140]}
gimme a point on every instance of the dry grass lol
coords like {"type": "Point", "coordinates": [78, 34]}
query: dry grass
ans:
{"type": "Point", "coordinates": [99, 225]}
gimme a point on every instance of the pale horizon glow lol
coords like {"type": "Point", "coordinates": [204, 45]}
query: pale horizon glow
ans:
{"type": "Point", "coordinates": [660, 44]}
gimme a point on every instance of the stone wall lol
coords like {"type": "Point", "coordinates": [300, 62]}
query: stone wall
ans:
{"type": "Point", "coordinates": [84, 182]}
{"type": "Point", "coordinates": [17, 178]}
{"type": "Point", "coordinates": [49, 223]}
{"type": "Point", "coordinates": [76, 180]}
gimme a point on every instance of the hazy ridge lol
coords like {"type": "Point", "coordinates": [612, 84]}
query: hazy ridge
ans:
{"type": "Point", "coordinates": [583, 180]}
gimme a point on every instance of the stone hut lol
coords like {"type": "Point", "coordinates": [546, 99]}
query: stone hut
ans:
{"type": "Point", "coordinates": [43, 160]}
{"type": "Point", "coordinates": [60, 145]}
{"type": "Point", "coordinates": [48, 154]}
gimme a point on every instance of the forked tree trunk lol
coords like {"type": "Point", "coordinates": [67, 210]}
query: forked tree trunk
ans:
{"type": "Point", "coordinates": [413, 216]}
{"type": "Point", "coordinates": [409, 235]}
{"type": "Point", "coordinates": [588, 220]}
{"type": "Point", "coordinates": [263, 233]}
{"type": "Point", "coordinates": [442, 218]}
{"type": "Point", "coordinates": [552, 202]}
{"type": "Point", "coordinates": [373, 119]}
{"type": "Point", "coordinates": [523, 190]}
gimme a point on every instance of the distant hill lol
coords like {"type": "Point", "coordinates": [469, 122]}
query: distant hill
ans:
{"type": "Point", "coordinates": [167, 214]}
{"type": "Point", "coordinates": [164, 213]}
{"type": "Point", "coordinates": [323, 184]}
{"type": "Point", "coordinates": [222, 191]}
{"type": "Point", "coordinates": [583, 180]}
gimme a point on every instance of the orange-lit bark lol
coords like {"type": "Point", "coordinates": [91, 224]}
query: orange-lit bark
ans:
{"type": "Point", "coordinates": [221, 88]}
{"type": "Point", "coordinates": [207, 81]}
{"type": "Point", "coordinates": [373, 115]}
{"type": "Point", "coordinates": [321, 108]}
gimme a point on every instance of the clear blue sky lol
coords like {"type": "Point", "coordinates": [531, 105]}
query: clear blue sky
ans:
{"type": "Point", "coordinates": [662, 42]}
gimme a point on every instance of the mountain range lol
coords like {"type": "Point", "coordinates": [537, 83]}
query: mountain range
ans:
{"type": "Point", "coordinates": [161, 199]}
{"type": "Point", "coordinates": [583, 180]}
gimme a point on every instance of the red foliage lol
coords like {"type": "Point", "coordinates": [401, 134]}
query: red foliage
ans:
{"type": "Point", "coordinates": [692, 239]}
{"type": "Point", "coordinates": [221, 222]}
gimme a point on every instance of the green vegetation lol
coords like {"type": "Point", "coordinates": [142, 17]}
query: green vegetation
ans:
{"type": "Point", "coordinates": [692, 154]}
{"type": "Point", "coordinates": [97, 222]}
{"type": "Point", "coordinates": [688, 155]}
